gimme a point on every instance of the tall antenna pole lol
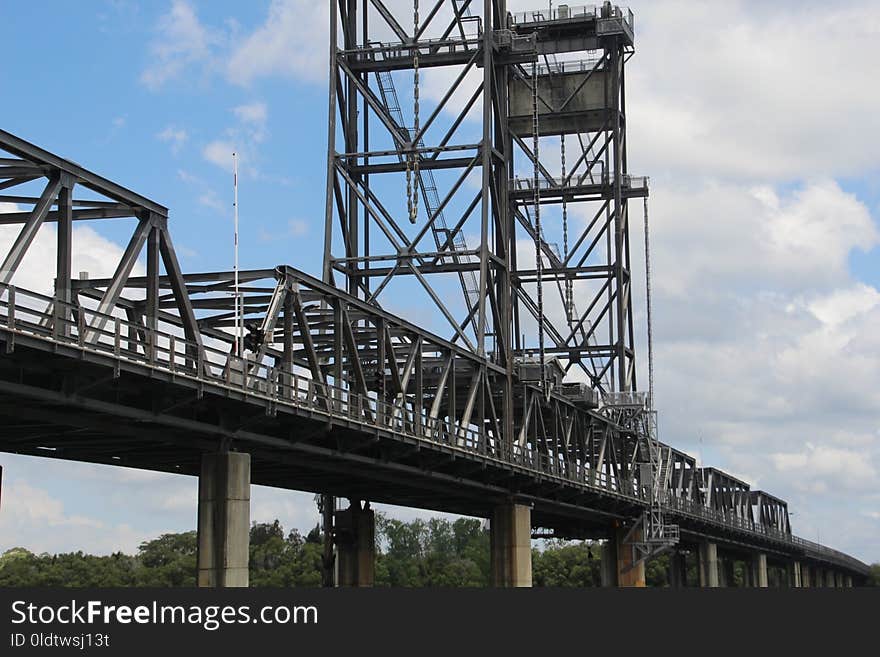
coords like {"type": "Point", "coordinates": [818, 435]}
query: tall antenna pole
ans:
{"type": "Point", "coordinates": [648, 308]}
{"type": "Point", "coordinates": [239, 346]}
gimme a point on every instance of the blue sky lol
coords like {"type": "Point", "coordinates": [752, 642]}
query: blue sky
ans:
{"type": "Point", "coordinates": [757, 124]}
{"type": "Point", "coordinates": [86, 99]}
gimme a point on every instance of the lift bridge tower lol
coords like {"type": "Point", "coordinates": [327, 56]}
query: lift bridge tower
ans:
{"type": "Point", "coordinates": [478, 186]}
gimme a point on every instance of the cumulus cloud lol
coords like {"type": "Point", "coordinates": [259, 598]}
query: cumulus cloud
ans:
{"type": "Point", "coordinates": [219, 152]}
{"type": "Point", "coordinates": [181, 43]}
{"type": "Point", "coordinates": [92, 253]}
{"type": "Point", "coordinates": [757, 88]}
{"type": "Point", "coordinates": [174, 136]}
{"type": "Point", "coordinates": [243, 138]}
{"type": "Point", "coordinates": [292, 43]}
{"type": "Point", "coordinates": [815, 463]}
{"type": "Point", "coordinates": [41, 523]}
{"type": "Point", "coordinates": [764, 341]}
{"type": "Point", "coordinates": [254, 113]}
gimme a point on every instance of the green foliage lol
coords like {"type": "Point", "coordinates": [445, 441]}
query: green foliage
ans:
{"type": "Point", "coordinates": [433, 553]}
{"type": "Point", "coordinates": [561, 563]}
{"type": "Point", "coordinates": [657, 571]}
{"type": "Point", "coordinates": [276, 560]}
{"type": "Point", "coordinates": [169, 560]}
{"type": "Point", "coordinates": [874, 576]}
{"type": "Point", "coordinates": [420, 553]}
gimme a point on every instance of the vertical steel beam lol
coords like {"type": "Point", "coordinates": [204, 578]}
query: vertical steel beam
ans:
{"type": "Point", "coordinates": [331, 147]}
{"type": "Point", "coordinates": [64, 255]}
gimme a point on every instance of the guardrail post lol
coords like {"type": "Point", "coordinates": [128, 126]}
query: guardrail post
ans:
{"type": "Point", "coordinates": [172, 347]}
{"type": "Point", "coordinates": [10, 309]}
{"type": "Point", "coordinates": [81, 327]}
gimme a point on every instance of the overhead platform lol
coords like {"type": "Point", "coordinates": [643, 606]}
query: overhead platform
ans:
{"type": "Point", "coordinates": [571, 29]}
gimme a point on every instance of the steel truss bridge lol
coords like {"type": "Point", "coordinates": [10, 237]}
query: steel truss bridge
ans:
{"type": "Point", "coordinates": [335, 394]}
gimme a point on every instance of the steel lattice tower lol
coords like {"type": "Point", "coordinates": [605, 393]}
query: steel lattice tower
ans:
{"type": "Point", "coordinates": [580, 294]}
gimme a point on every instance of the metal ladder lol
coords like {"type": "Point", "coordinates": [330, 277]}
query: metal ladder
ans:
{"type": "Point", "coordinates": [428, 186]}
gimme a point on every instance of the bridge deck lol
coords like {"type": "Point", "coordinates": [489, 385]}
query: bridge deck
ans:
{"type": "Point", "coordinates": [119, 397]}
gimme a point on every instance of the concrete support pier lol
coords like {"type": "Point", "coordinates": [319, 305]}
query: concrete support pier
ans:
{"type": "Point", "coordinates": [617, 559]}
{"type": "Point", "coordinates": [708, 565]}
{"type": "Point", "coordinates": [830, 579]}
{"type": "Point", "coordinates": [806, 579]}
{"type": "Point", "coordinates": [796, 577]}
{"type": "Point", "coordinates": [355, 545]}
{"type": "Point", "coordinates": [224, 522]}
{"type": "Point", "coordinates": [759, 569]}
{"type": "Point", "coordinates": [510, 539]}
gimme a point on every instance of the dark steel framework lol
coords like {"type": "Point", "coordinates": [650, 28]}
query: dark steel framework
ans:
{"type": "Point", "coordinates": [335, 394]}
{"type": "Point", "coordinates": [516, 98]}
{"type": "Point", "coordinates": [515, 282]}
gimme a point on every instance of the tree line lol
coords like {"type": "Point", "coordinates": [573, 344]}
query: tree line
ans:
{"type": "Point", "coordinates": [419, 553]}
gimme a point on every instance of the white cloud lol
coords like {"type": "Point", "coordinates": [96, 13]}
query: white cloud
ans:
{"type": "Point", "coordinates": [297, 227]}
{"type": "Point", "coordinates": [220, 152]}
{"type": "Point", "coordinates": [243, 139]}
{"type": "Point", "coordinates": [292, 43]}
{"type": "Point", "coordinates": [182, 41]}
{"type": "Point", "coordinates": [92, 253]}
{"type": "Point", "coordinates": [255, 113]}
{"type": "Point", "coordinates": [829, 466]}
{"type": "Point", "coordinates": [843, 305]}
{"type": "Point", "coordinates": [760, 90]}
{"type": "Point", "coordinates": [40, 523]}
{"type": "Point", "coordinates": [765, 344]}
{"type": "Point", "coordinates": [726, 233]}
{"type": "Point", "coordinates": [253, 117]}
{"type": "Point", "coordinates": [210, 200]}
{"type": "Point", "coordinates": [175, 136]}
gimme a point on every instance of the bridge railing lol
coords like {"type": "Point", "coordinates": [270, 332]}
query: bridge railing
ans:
{"type": "Point", "coordinates": [39, 315]}
{"type": "Point", "coordinates": [730, 519]}
{"type": "Point", "coordinates": [42, 316]}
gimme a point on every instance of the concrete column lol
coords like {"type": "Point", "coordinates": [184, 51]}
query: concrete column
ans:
{"type": "Point", "coordinates": [355, 538]}
{"type": "Point", "coordinates": [848, 581]}
{"type": "Point", "coordinates": [797, 575]}
{"type": "Point", "coordinates": [617, 559]}
{"type": "Point", "coordinates": [806, 579]}
{"type": "Point", "coordinates": [708, 565]}
{"type": "Point", "coordinates": [829, 579]}
{"type": "Point", "coordinates": [510, 539]}
{"type": "Point", "coordinates": [759, 562]}
{"type": "Point", "coordinates": [608, 565]}
{"type": "Point", "coordinates": [224, 522]}
{"type": "Point", "coordinates": [677, 570]}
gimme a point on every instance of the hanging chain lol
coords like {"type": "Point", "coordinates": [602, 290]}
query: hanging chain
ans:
{"type": "Point", "coordinates": [412, 161]}
{"type": "Point", "coordinates": [539, 238]}
{"type": "Point", "coordinates": [648, 310]}
{"type": "Point", "coordinates": [569, 300]}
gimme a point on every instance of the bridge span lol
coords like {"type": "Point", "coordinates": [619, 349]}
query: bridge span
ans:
{"type": "Point", "coordinates": [336, 395]}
